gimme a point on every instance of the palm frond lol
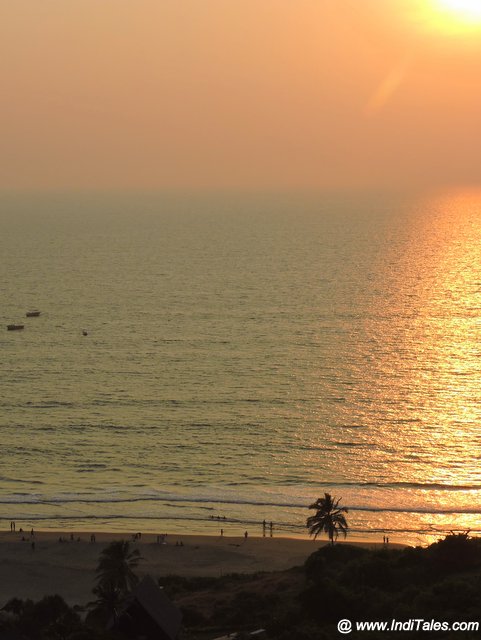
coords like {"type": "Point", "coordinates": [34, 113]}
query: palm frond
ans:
{"type": "Point", "coordinates": [329, 518]}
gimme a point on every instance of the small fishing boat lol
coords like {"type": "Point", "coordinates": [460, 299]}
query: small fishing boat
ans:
{"type": "Point", "coordinates": [14, 327]}
{"type": "Point", "coordinates": [32, 314]}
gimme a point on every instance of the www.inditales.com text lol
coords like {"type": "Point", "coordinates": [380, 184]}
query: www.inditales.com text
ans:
{"type": "Point", "coordinates": [413, 624]}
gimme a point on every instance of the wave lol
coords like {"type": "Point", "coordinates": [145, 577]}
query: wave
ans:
{"type": "Point", "coordinates": [433, 486]}
{"type": "Point", "coordinates": [424, 510]}
{"type": "Point", "coordinates": [188, 501]}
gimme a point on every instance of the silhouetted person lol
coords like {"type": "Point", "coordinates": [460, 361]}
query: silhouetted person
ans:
{"type": "Point", "coordinates": [32, 532]}
{"type": "Point", "coordinates": [221, 533]}
{"type": "Point", "coordinates": [264, 528]}
{"type": "Point", "coordinates": [245, 535]}
{"type": "Point", "coordinates": [271, 529]}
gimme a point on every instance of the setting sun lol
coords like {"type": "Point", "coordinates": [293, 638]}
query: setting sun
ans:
{"type": "Point", "coordinates": [465, 9]}
{"type": "Point", "coordinates": [455, 14]}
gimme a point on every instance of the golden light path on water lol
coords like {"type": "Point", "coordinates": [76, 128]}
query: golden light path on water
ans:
{"type": "Point", "coordinates": [423, 366]}
{"type": "Point", "coordinates": [445, 279]}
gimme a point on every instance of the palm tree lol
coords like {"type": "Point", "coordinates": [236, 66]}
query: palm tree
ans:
{"type": "Point", "coordinates": [329, 518]}
{"type": "Point", "coordinates": [115, 569]}
{"type": "Point", "coordinates": [108, 603]}
{"type": "Point", "coordinates": [115, 578]}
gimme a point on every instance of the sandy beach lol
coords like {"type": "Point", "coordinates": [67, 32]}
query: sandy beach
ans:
{"type": "Point", "coordinates": [68, 568]}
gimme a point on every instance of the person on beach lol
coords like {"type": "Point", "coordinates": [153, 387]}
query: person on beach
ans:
{"type": "Point", "coordinates": [271, 529]}
{"type": "Point", "coordinates": [222, 533]}
{"type": "Point", "coordinates": [32, 532]}
{"type": "Point", "coordinates": [264, 524]}
{"type": "Point", "coordinates": [245, 535]}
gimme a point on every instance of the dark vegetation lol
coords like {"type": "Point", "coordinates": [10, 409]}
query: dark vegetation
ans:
{"type": "Point", "coordinates": [441, 582]}
{"type": "Point", "coordinates": [49, 619]}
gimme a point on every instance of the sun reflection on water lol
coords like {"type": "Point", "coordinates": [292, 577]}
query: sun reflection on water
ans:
{"type": "Point", "coordinates": [412, 416]}
{"type": "Point", "coordinates": [443, 272]}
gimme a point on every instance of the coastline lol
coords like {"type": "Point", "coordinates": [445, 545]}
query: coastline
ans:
{"type": "Point", "coordinates": [68, 567]}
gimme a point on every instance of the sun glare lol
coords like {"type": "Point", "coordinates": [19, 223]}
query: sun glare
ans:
{"type": "Point", "coordinates": [469, 10]}
{"type": "Point", "coordinates": [459, 13]}
{"type": "Point", "coordinates": [451, 17]}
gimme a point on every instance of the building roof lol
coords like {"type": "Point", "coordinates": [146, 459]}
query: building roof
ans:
{"type": "Point", "coordinates": [155, 603]}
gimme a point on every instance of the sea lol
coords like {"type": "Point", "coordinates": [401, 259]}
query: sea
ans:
{"type": "Point", "coordinates": [244, 355]}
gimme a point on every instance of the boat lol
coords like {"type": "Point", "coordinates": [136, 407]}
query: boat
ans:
{"type": "Point", "coordinates": [14, 327]}
{"type": "Point", "coordinates": [32, 314]}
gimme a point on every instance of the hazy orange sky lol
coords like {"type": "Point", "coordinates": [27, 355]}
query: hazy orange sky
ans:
{"type": "Point", "coordinates": [237, 93]}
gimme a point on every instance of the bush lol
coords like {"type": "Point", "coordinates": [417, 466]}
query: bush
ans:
{"type": "Point", "coordinates": [329, 558]}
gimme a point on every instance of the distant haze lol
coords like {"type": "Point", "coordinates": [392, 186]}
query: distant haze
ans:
{"type": "Point", "coordinates": [235, 94]}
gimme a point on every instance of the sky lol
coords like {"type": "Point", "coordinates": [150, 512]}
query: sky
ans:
{"type": "Point", "coordinates": [238, 94]}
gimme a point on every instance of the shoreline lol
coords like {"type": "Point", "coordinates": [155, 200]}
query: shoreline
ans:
{"type": "Point", "coordinates": [231, 529]}
{"type": "Point", "coordinates": [68, 567]}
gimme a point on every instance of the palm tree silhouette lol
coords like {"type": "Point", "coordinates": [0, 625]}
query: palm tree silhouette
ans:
{"type": "Point", "coordinates": [115, 578]}
{"type": "Point", "coordinates": [116, 566]}
{"type": "Point", "coordinates": [329, 518]}
{"type": "Point", "coordinates": [108, 603]}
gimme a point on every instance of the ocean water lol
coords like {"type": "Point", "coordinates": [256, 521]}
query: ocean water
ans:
{"type": "Point", "coordinates": [245, 354]}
